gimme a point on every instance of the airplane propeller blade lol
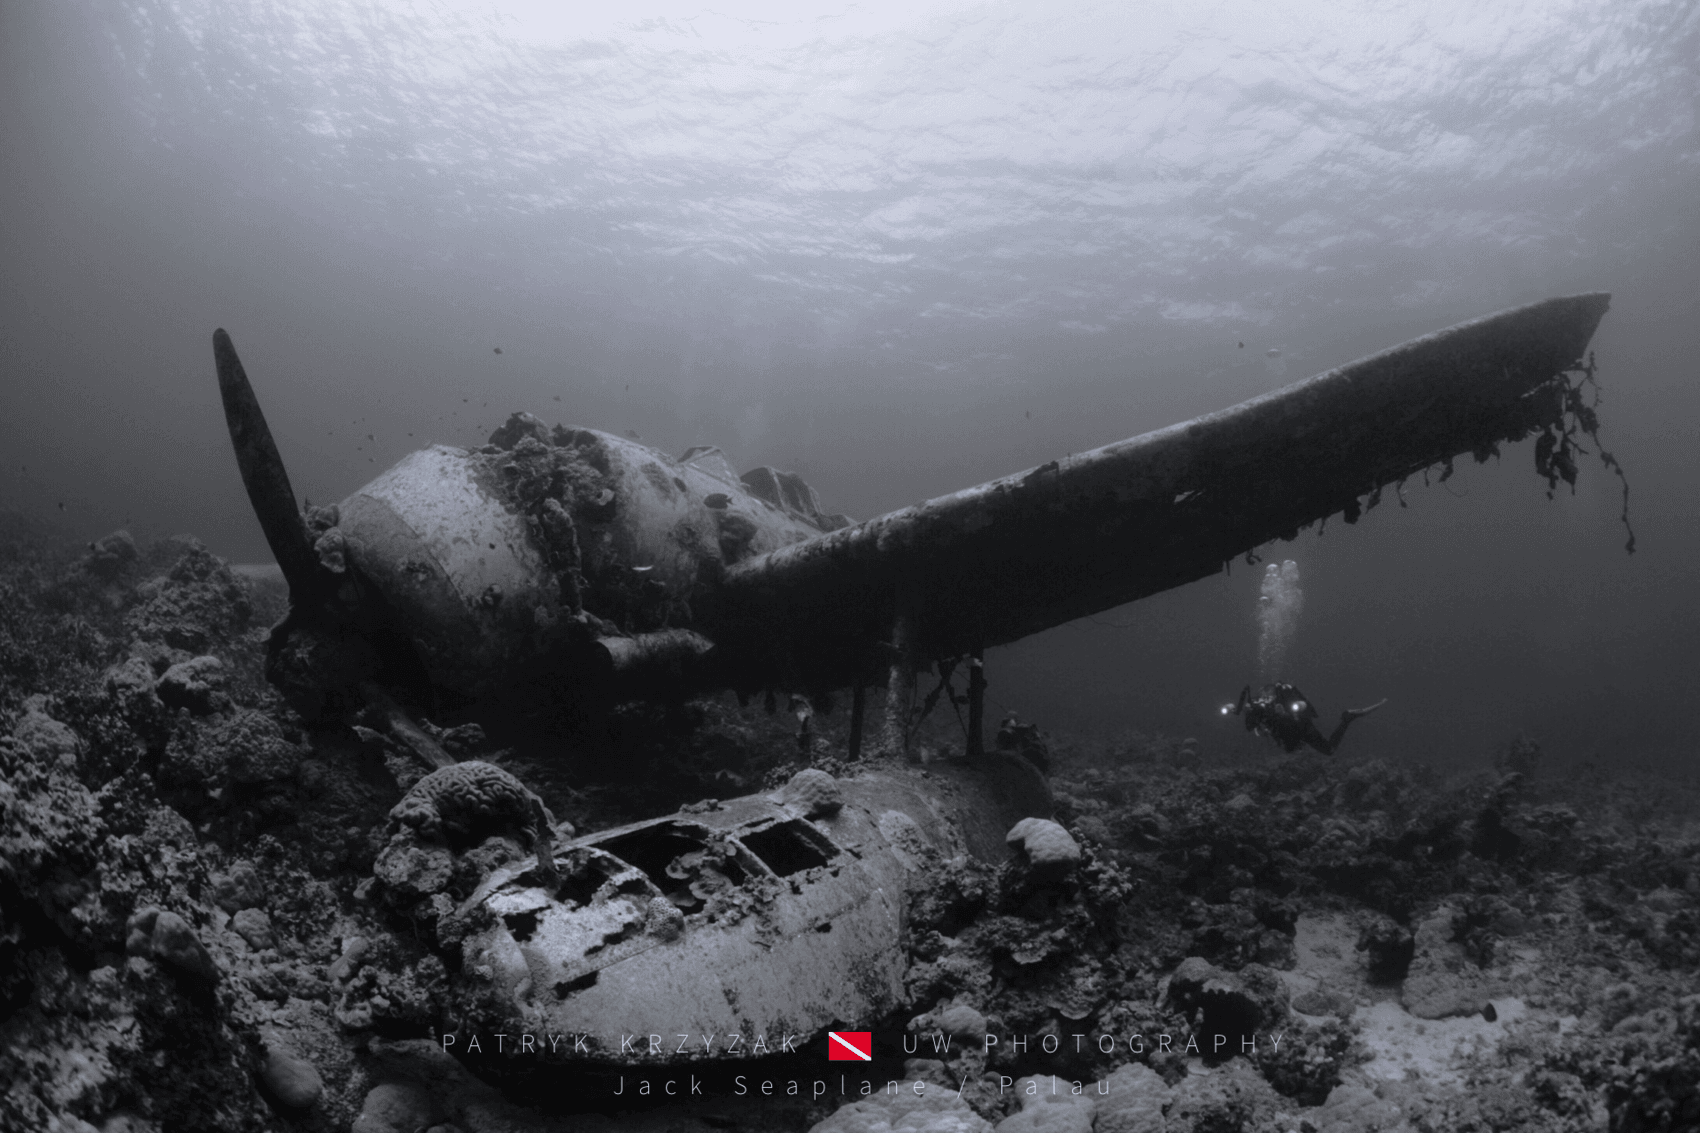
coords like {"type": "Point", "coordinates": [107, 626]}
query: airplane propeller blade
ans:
{"type": "Point", "coordinates": [263, 473]}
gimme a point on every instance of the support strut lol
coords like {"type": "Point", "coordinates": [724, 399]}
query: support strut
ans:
{"type": "Point", "coordinates": [899, 689]}
{"type": "Point", "coordinates": [858, 706]}
{"type": "Point", "coordinates": [976, 704]}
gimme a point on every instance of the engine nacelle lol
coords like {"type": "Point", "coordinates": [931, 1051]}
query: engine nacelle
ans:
{"type": "Point", "coordinates": [553, 549]}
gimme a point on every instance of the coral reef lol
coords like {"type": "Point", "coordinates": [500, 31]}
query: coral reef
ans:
{"type": "Point", "coordinates": [459, 804]}
{"type": "Point", "coordinates": [217, 915]}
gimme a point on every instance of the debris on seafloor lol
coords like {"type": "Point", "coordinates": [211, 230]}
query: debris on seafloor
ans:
{"type": "Point", "coordinates": [772, 914]}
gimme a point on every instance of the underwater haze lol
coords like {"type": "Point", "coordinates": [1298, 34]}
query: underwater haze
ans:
{"type": "Point", "coordinates": [900, 249]}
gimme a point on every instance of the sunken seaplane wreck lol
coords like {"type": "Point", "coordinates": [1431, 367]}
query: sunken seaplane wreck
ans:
{"type": "Point", "coordinates": [595, 569]}
{"type": "Point", "coordinates": [588, 565]}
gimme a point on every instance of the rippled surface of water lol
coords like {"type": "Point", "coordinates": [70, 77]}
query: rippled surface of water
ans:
{"type": "Point", "coordinates": [916, 178]}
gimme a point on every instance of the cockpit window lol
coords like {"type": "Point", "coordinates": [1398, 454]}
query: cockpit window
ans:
{"type": "Point", "coordinates": [687, 863]}
{"type": "Point", "coordinates": [789, 847]}
{"type": "Point", "coordinates": [583, 873]}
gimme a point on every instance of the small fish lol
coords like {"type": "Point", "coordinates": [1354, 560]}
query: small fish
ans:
{"type": "Point", "coordinates": [1030, 415]}
{"type": "Point", "coordinates": [633, 434]}
{"type": "Point", "coordinates": [498, 350]}
{"type": "Point", "coordinates": [1272, 352]}
{"type": "Point", "coordinates": [370, 437]}
{"type": "Point", "coordinates": [1242, 346]}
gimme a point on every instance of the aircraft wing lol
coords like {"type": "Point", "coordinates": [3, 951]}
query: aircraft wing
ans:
{"type": "Point", "coordinates": [996, 562]}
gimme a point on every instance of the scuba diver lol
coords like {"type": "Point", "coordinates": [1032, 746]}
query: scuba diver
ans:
{"type": "Point", "coordinates": [1281, 712]}
{"type": "Point", "coordinates": [1024, 740]}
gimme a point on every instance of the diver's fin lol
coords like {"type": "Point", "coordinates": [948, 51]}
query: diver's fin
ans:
{"type": "Point", "coordinates": [263, 472]}
{"type": "Point", "coordinates": [1359, 713]}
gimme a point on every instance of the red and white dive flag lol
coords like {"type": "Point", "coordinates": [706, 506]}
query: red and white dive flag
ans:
{"type": "Point", "coordinates": [850, 1046]}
